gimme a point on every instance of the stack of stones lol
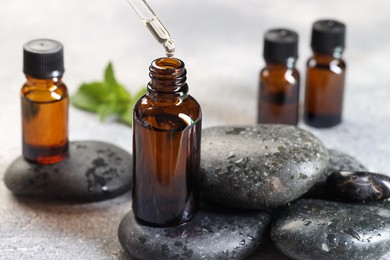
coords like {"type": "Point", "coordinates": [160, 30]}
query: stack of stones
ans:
{"type": "Point", "coordinates": [274, 186]}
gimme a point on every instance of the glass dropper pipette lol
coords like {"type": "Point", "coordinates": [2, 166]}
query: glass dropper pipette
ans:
{"type": "Point", "coordinates": [151, 21]}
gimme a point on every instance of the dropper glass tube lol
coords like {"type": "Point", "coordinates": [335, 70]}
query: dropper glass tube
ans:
{"type": "Point", "coordinates": [151, 21]}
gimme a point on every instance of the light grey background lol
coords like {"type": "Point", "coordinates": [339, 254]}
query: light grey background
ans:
{"type": "Point", "coordinates": [221, 43]}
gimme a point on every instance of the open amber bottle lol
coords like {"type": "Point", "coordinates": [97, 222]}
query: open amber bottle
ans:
{"type": "Point", "coordinates": [325, 77]}
{"type": "Point", "coordinates": [278, 100]}
{"type": "Point", "coordinates": [166, 148]}
{"type": "Point", "coordinates": [44, 100]}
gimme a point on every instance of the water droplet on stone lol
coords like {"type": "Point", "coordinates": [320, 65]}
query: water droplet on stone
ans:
{"type": "Point", "coordinates": [343, 243]}
{"type": "Point", "coordinates": [331, 238]}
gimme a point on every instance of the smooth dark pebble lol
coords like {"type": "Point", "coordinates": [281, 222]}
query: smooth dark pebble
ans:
{"type": "Point", "coordinates": [259, 166]}
{"type": "Point", "coordinates": [358, 186]}
{"type": "Point", "coordinates": [211, 234]}
{"type": "Point", "coordinates": [338, 161]}
{"type": "Point", "coordinates": [317, 229]}
{"type": "Point", "coordinates": [93, 171]}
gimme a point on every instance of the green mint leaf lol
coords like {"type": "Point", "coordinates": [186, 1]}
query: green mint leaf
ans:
{"type": "Point", "coordinates": [122, 93]}
{"type": "Point", "coordinates": [107, 97]}
{"type": "Point", "coordinates": [105, 110]}
{"type": "Point", "coordinates": [126, 116]}
{"type": "Point", "coordinates": [85, 102]}
{"type": "Point", "coordinates": [97, 90]}
{"type": "Point", "coordinates": [109, 76]}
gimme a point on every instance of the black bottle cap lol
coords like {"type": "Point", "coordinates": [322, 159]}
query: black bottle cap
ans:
{"type": "Point", "coordinates": [280, 45]}
{"type": "Point", "coordinates": [43, 58]}
{"type": "Point", "coordinates": [328, 36]}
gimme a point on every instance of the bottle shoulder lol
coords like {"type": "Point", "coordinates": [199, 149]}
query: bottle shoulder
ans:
{"type": "Point", "coordinates": [167, 116]}
{"type": "Point", "coordinates": [44, 90]}
{"type": "Point", "coordinates": [279, 75]}
{"type": "Point", "coordinates": [327, 61]}
{"type": "Point", "coordinates": [182, 105]}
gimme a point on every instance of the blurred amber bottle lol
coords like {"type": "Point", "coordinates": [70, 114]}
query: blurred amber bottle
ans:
{"type": "Point", "coordinates": [166, 148]}
{"type": "Point", "coordinates": [325, 75]}
{"type": "Point", "coordinates": [278, 100]}
{"type": "Point", "coordinates": [44, 100]}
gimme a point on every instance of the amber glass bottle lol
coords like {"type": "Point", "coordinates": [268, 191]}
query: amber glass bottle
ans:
{"type": "Point", "coordinates": [278, 100]}
{"type": "Point", "coordinates": [44, 100]}
{"type": "Point", "coordinates": [325, 75]}
{"type": "Point", "coordinates": [166, 148]}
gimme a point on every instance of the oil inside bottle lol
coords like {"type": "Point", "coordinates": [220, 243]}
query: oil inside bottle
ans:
{"type": "Point", "coordinates": [166, 188]}
{"type": "Point", "coordinates": [324, 91]}
{"type": "Point", "coordinates": [279, 96]}
{"type": "Point", "coordinates": [45, 130]}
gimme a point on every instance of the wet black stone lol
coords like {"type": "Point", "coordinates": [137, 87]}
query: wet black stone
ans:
{"type": "Point", "coordinates": [316, 229]}
{"type": "Point", "coordinates": [338, 161]}
{"type": "Point", "coordinates": [211, 234]}
{"type": "Point", "coordinates": [259, 166]}
{"type": "Point", "coordinates": [267, 251]}
{"type": "Point", "coordinates": [358, 186]}
{"type": "Point", "coordinates": [93, 171]}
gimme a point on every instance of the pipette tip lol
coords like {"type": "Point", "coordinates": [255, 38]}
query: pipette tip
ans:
{"type": "Point", "coordinates": [169, 46]}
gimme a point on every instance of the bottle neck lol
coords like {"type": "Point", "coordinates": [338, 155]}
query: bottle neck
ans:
{"type": "Point", "coordinates": [168, 79]}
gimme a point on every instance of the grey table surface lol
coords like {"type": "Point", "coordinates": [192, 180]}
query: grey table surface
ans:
{"type": "Point", "coordinates": [220, 42]}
